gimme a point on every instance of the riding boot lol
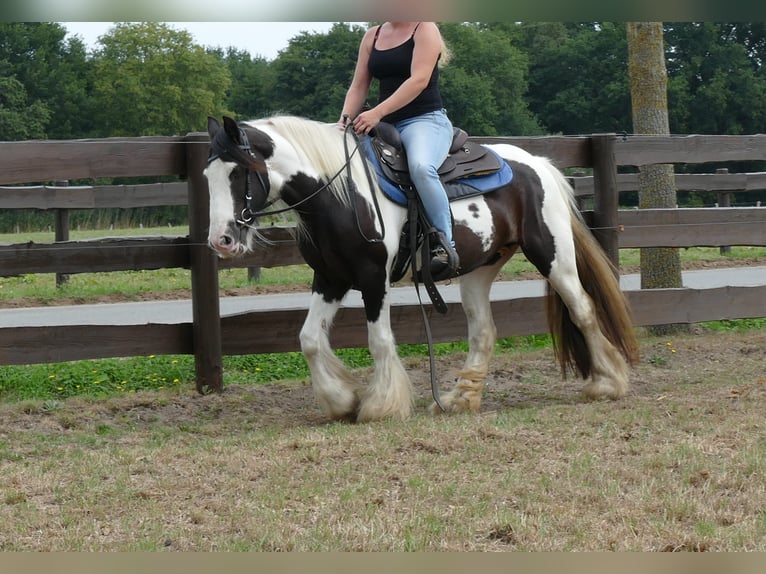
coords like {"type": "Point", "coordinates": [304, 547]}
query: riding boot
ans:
{"type": "Point", "coordinates": [444, 259]}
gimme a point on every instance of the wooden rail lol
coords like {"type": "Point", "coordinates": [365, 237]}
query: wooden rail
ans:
{"type": "Point", "coordinates": [210, 336]}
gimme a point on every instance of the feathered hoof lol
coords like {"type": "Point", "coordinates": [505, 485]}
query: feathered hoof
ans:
{"type": "Point", "coordinates": [370, 413]}
{"type": "Point", "coordinates": [465, 398]}
{"type": "Point", "coordinates": [603, 388]}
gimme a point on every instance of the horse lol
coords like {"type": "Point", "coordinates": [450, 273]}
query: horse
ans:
{"type": "Point", "coordinates": [348, 232]}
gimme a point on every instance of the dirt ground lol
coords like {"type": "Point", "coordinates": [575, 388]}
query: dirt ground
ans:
{"type": "Point", "coordinates": [518, 380]}
{"type": "Point", "coordinates": [675, 465]}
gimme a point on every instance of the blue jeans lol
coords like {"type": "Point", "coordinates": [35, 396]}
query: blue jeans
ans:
{"type": "Point", "coordinates": [427, 139]}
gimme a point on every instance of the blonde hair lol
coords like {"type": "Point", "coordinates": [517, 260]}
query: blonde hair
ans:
{"type": "Point", "coordinates": [446, 54]}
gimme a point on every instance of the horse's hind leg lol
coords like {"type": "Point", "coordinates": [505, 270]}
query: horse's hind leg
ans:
{"type": "Point", "coordinates": [608, 368]}
{"type": "Point", "coordinates": [600, 359]}
{"type": "Point", "coordinates": [335, 390]}
{"type": "Point", "coordinates": [482, 333]}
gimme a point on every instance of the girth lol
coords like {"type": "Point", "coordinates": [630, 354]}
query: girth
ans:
{"type": "Point", "coordinates": [465, 158]}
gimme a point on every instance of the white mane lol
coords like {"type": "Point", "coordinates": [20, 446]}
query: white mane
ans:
{"type": "Point", "coordinates": [321, 146]}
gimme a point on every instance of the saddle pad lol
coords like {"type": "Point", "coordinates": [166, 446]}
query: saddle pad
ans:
{"type": "Point", "coordinates": [456, 189]}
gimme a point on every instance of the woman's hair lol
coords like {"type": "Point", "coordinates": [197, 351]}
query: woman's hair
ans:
{"type": "Point", "coordinates": [446, 54]}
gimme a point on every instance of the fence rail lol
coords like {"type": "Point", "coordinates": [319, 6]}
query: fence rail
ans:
{"type": "Point", "coordinates": [209, 336]}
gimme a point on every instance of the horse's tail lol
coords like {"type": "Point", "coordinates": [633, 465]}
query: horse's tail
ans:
{"type": "Point", "coordinates": [599, 279]}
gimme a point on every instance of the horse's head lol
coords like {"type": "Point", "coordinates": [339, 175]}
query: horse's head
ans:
{"type": "Point", "coordinates": [238, 181]}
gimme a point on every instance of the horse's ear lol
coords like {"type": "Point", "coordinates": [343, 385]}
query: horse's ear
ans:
{"type": "Point", "coordinates": [212, 126]}
{"type": "Point", "coordinates": [231, 128]}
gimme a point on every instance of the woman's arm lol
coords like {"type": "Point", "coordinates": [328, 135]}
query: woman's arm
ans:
{"type": "Point", "coordinates": [360, 84]}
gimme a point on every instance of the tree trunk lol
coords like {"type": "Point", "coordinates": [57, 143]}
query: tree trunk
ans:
{"type": "Point", "coordinates": [660, 266]}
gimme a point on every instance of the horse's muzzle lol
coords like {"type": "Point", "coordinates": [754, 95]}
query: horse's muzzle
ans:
{"type": "Point", "coordinates": [226, 244]}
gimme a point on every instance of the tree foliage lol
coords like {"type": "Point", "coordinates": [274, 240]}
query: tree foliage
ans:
{"type": "Point", "coordinates": [54, 75]}
{"type": "Point", "coordinates": [20, 120]}
{"type": "Point", "coordinates": [313, 73]}
{"type": "Point", "coordinates": [150, 79]}
{"type": "Point", "coordinates": [252, 83]}
{"type": "Point", "coordinates": [485, 83]}
{"type": "Point", "coordinates": [505, 78]}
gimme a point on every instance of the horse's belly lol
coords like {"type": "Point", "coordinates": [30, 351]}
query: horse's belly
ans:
{"type": "Point", "coordinates": [475, 215]}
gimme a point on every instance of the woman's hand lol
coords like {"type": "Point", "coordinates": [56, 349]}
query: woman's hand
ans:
{"type": "Point", "coordinates": [366, 121]}
{"type": "Point", "coordinates": [344, 120]}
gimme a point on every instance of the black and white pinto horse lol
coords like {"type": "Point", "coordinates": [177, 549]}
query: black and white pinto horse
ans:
{"type": "Point", "coordinates": [350, 235]}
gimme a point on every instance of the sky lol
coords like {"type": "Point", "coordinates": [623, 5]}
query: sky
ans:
{"type": "Point", "coordinates": [263, 39]}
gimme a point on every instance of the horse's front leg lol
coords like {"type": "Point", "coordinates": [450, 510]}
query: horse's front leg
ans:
{"type": "Point", "coordinates": [335, 389]}
{"type": "Point", "coordinates": [389, 391]}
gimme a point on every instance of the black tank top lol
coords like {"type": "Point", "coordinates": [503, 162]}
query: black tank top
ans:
{"type": "Point", "coordinates": [391, 68]}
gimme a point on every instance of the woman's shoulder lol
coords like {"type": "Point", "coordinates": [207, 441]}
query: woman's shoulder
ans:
{"type": "Point", "coordinates": [371, 34]}
{"type": "Point", "coordinates": [427, 28]}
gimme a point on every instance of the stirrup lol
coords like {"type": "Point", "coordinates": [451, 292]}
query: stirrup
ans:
{"type": "Point", "coordinates": [445, 261]}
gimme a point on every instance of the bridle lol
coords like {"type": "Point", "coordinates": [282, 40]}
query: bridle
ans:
{"type": "Point", "coordinates": [249, 214]}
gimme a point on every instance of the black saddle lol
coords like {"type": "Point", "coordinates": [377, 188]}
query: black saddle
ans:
{"type": "Point", "coordinates": [465, 158]}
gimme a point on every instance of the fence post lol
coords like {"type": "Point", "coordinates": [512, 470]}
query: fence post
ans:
{"type": "Point", "coordinates": [208, 355]}
{"type": "Point", "coordinates": [605, 196]}
{"type": "Point", "coordinates": [61, 232]}
{"type": "Point", "coordinates": [724, 200]}
{"type": "Point", "coordinates": [253, 274]}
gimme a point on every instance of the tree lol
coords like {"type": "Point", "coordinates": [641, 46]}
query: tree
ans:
{"type": "Point", "coordinates": [577, 75]}
{"type": "Point", "coordinates": [252, 84]}
{"type": "Point", "coordinates": [484, 86]}
{"type": "Point", "coordinates": [717, 84]}
{"type": "Point", "coordinates": [152, 80]}
{"type": "Point", "coordinates": [660, 266]}
{"type": "Point", "coordinates": [54, 72]}
{"type": "Point", "coordinates": [20, 120]}
{"type": "Point", "coordinates": [313, 73]}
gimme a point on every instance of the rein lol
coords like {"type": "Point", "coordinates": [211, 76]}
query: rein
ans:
{"type": "Point", "coordinates": [248, 216]}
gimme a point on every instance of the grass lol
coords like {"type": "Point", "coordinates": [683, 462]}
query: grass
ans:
{"type": "Point", "coordinates": [114, 377]}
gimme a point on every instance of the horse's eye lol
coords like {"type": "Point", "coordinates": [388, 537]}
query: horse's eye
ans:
{"type": "Point", "coordinates": [236, 174]}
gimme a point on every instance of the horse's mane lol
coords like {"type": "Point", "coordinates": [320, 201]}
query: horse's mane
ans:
{"type": "Point", "coordinates": [321, 145]}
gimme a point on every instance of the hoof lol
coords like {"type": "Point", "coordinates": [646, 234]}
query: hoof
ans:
{"type": "Point", "coordinates": [465, 398]}
{"type": "Point", "coordinates": [605, 389]}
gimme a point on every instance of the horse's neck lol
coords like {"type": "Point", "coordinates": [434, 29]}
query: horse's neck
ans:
{"type": "Point", "coordinates": [313, 155]}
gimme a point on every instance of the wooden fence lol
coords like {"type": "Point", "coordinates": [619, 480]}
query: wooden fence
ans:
{"type": "Point", "coordinates": [210, 336]}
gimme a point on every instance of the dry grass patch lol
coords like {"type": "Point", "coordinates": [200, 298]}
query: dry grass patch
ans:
{"type": "Point", "coordinates": [680, 464]}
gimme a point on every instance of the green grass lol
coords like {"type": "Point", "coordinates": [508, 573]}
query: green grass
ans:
{"type": "Point", "coordinates": [632, 257]}
{"type": "Point", "coordinates": [736, 325]}
{"type": "Point", "coordinates": [112, 377]}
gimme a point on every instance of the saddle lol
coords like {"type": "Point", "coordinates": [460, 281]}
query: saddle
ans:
{"type": "Point", "coordinates": [465, 159]}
